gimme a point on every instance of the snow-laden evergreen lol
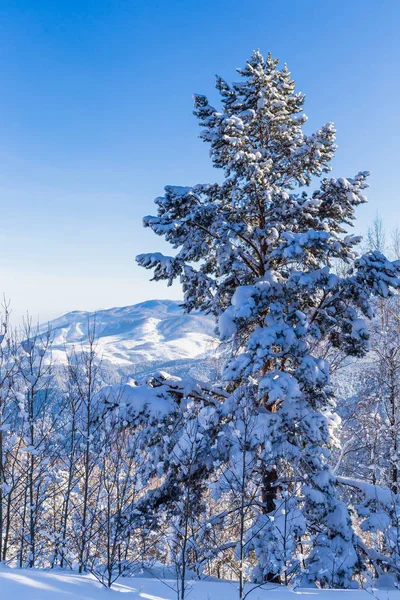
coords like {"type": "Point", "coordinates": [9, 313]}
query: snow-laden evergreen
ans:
{"type": "Point", "coordinates": [227, 473]}
{"type": "Point", "coordinates": [258, 251]}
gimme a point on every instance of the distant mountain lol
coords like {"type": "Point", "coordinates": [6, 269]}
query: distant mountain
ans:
{"type": "Point", "coordinates": [139, 339]}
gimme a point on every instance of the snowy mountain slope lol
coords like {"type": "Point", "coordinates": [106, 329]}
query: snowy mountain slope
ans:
{"type": "Point", "coordinates": [141, 338]}
{"type": "Point", "coordinates": [33, 584]}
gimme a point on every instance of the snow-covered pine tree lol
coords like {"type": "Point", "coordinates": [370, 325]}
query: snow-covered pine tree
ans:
{"type": "Point", "coordinates": [173, 423]}
{"type": "Point", "coordinates": [257, 251]}
{"type": "Point", "coordinates": [378, 508]}
{"type": "Point", "coordinates": [371, 429]}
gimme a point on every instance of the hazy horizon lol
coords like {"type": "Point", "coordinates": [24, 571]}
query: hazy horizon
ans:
{"type": "Point", "coordinates": [96, 117]}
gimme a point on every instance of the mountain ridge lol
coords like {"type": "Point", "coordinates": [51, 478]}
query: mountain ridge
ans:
{"type": "Point", "coordinates": [139, 338]}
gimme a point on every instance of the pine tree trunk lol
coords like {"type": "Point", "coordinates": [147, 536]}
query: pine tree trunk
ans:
{"type": "Point", "coordinates": [269, 494]}
{"type": "Point", "coordinates": [269, 489]}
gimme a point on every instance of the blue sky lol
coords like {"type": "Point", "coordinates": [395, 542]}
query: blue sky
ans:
{"type": "Point", "coordinates": [96, 117]}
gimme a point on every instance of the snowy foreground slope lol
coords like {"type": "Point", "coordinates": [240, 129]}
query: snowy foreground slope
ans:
{"type": "Point", "coordinates": [141, 338]}
{"type": "Point", "coordinates": [23, 584]}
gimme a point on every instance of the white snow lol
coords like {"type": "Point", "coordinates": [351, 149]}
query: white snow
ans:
{"type": "Point", "coordinates": [33, 584]}
{"type": "Point", "coordinates": [153, 332]}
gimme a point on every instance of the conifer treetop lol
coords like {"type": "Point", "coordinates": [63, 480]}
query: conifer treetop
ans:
{"type": "Point", "coordinates": [262, 218]}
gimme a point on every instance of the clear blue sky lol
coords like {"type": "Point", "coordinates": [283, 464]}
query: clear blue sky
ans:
{"type": "Point", "coordinates": [96, 117]}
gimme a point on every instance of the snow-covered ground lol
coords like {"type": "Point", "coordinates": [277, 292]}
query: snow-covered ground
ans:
{"type": "Point", "coordinates": [23, 584]}
{"type": "Point", "coordinates": [152, 335]}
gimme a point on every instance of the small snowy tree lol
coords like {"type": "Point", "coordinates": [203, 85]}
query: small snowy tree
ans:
{"type": "Point", "coordinates": [171, 421]}
{"type": "Point", "coordinates": [371, 429]}
{"type": "Point", "coordinates": [378, 508]}
{"type": "Point", "coordinates": [238, 476]}
{"type": "Point", "coordinates": [184, 455]}
{"type": "Point", "coordinates": [36, 394]}
{"type": "Point", "coordinates": [9, 442]}
{"type": "Point", "coordinates": [85, 381]}
{"type": "Point", "coordinates": [257, 251]}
